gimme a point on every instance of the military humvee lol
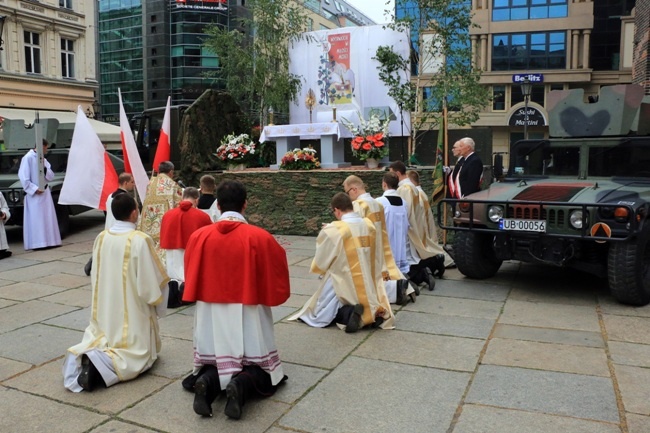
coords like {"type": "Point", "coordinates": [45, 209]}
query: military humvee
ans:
{"type": "Point", "coordinates": [579, 199]}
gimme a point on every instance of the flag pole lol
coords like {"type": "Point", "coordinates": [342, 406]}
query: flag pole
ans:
{"type": "Point", "coordinates": [443, 130]}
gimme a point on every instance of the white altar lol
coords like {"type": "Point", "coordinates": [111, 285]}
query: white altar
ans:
{"type": "Point", "coordinates": [287, 137]}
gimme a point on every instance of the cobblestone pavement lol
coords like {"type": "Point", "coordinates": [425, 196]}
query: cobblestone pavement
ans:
{"type": "Point", "coordinates": [534, 349]}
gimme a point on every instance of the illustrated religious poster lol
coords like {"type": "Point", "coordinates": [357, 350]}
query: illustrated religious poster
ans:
{"type": "Point", "coordinates": [338, 66]}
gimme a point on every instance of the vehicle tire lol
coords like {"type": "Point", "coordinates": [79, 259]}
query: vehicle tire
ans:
{"type": "Point", "coordinates": [628, 270]}
{"type": "Point", "coordinates": [62, 217]}
{"type": "Point", "coordinates": [474, 255]}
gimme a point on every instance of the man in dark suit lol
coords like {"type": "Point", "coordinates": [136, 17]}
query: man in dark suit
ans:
{"type": "Point", "coordinates": [468, 172]}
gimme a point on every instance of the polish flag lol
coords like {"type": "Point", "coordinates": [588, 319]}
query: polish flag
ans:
{"type": "Point", "coordinates": [87, 155]}
{"type": "Point", "coordinates": [163, 152]}
{"type": "Point", "coordinates": [132, 161]}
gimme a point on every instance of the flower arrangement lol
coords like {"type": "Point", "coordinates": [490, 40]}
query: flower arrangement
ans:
{"type": "Point", "coordinates": [370, 137]}
{"type": "Point", "coordinates": [236, 149]}
{"type": "Point", "coordinates": [300, 159]}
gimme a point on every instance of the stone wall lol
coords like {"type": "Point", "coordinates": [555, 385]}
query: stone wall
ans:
{"type": "Point", "coordinates": [297, 202]}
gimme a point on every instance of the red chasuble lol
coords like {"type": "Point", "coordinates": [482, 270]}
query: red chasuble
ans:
{"type": "Point", "coordinates": [231, 262]}
{"type": "Point", "coordinates": [179, 223]}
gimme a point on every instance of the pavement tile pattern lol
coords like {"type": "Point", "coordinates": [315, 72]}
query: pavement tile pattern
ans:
{"type": "Point", "coordinates": [531, 350]}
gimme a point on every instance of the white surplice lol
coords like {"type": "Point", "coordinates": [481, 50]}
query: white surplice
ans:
{"type": "Point", "coordinates": [397, 226]}
{"type": "Point", "coordinates": [40, 226]}
{"type": "Point", "coordinates": [3, 234]}
{"type": "Point", "coordinates": [346, 257]}
{"type": "Point", "coordinates": [128, 285]}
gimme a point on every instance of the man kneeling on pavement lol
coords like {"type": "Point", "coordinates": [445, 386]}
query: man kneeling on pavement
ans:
{"type": "Point", "coordinates": [352, 294]}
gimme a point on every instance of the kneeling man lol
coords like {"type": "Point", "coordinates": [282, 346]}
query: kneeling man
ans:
{"type": "Point", "coordinates": [128, 283]}
{"type": "Point", "coordinates": [353, 294]}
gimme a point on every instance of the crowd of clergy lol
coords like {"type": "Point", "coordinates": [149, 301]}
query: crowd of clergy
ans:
{"type": "Point", "coordinates": [193, 246]}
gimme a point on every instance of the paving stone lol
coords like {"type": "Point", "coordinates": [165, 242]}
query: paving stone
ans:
{"type": "Point", "coordinates": [298, 258]}
{"type": "Point", "coordinates": [630, 329]}
{"type": "Point", "coordinates": [77, 320]}
{"type": "Point", "coordinates": [471, 289]}
{"type": "Point", "coordinates": [296, 301]}
{"type": "Point", "coordinates": [546, 335]}
{"type": "Point", "coordinates": [538, 290]}
{"type": "Point", "coordinates": [609, 305]}
{"type": "Point", "coordinates": [9, 368]}
{"type": "Point", "coordinates": [15, 262]}
{"type": "Point", "coordinates": [317, 347]}
{"type": "Point", "coordinates": [81, 246]}
{"type": "Point", "coordinates": [28, 413]}
{"type": "Point", "coordinates": [634, 383]}
{"type": "Point", "coordinates": [573, 317]}
{"type": "Point", "coordinates": [170, 410]}
{"type": "Point", "coordinates": [49, 255]}
{"type": "Point", "coordinates": [281, 312]}
{"type": "Point", "coordinates": [177, 326]}
{"type": "Point", "coordinates": [6, 303]}
{"type": "Point", "coordinates": [120, 427]}
{"type": "Point", "coordinates": [456, 307]}
{"type": "Point", "coordinates": [481, 419]}
{"type": "Point", "coordinates": [26, 313]}
{"type": "Point", "coordinates": [637, 423]}
{"type": "Point", "coordinates": [186, 310]}
{"type": "Point", "coordinates": [175, 360]}
{"type": "Point", "coordinates": [450, 353]}
{"type": "Point", "coordinates": [301, 379]}
{"type": "Point", "coordinates": [38, 343]}
{"type": "Point", "coordinates": [48, 380]}
{"type": "Point", "coordinates": [630, 353]}
{"type": "Point", "coordinates": [294, 272]}
{"type": "Point", "coordinates": [305, 286]}
{"type": "Point", "coordinates": [6, 283]}
{"type": "Point", "coordinates": [42, 270]}
{"type": "Point", "coordinates": [386, 397]}
{"type": "Point", "coordinates": [64, 280]}
{"type": "Point", "coordinates": [444, 325]}
{"type": "Point", "coordinates": [28, 291]}
{"type": "Point", "coordinates": [580, 396]}
{"type": "Point", "coordinates": [81, 297]}
{"type": "Point", "coordinates": [547, 356]}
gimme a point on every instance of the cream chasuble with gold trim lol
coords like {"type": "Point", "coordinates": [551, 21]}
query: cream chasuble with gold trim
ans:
{"type": "Point", "coordinates": [346, 255]}
{"type": "Point", "coordinates": [123, 322]}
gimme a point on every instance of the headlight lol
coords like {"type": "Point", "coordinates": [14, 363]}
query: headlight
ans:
{"type": "Point", "coordinates": [575, 218]}
{"type": "Point", "coordinates": [495, 213]}
{"type": "Point", "coordinates": [14, 196]}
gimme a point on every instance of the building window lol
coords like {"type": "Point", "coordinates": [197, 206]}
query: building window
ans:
{"type": "Point", "coordinates": [536, 95]}
{"type": "Point", "coordinates": [498, 98]}
{"type": "Point", "coordinates": [512, 10]}
{"type": "Point", "coordinates": [67, 58]}
{"type": "Point", "coordinates": [32, 52]}
{"type": "Point", "coordinates": [67, 4]}
{"type": "Point", "coordinates": [529, 51]}
{"type": "Point", "coordinates": [310, 24]}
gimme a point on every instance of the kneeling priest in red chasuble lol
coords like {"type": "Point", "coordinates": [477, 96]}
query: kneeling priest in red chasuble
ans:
{"type": "Point", "coordinates": [235, 272]}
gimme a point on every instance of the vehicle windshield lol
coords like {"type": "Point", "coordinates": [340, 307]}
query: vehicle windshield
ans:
{"type": "Point", "coordinates": [10, 161]}
{"type": "Point", "coordinates": [605, 157]}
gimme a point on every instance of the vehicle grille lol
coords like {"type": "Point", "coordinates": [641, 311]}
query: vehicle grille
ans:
{"type": "Point", "coordinates": [554, 218]}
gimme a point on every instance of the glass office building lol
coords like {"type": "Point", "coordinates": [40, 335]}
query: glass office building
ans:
{"type": "Point", "coordinates": [152, 49]}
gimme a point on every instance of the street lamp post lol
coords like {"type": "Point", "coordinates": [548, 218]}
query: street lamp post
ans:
{"type": "Point", "coordinates": [526, 89]}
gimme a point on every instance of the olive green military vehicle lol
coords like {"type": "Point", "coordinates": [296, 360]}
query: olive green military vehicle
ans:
{"type": "Point", "coordinates": [580, 199]}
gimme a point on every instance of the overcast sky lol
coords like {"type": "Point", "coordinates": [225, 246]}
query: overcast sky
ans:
{"type": "Point", "coordinates": [374, 9]}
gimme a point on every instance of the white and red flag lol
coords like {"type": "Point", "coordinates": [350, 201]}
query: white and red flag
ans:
{"type": "Point", "coordinates": [163, 151]}
{"type": "Point", "coordinates": [90, 176]}
{"type": "Point", "coordinates": [132, 161]}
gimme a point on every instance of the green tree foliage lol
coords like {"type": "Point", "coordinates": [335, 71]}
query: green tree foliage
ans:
{"type": "Point", "coordinates": [254, 56]}
{"type": "Point", "coordinates": [444, 60]}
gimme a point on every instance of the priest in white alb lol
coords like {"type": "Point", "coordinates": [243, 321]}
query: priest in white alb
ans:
{"type": "Point", "coordinates": [352, 294]}
{"type": "Point", "coordinates": [128, 294]}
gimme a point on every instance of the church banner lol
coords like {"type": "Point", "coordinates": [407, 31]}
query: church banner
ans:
{"type": "Point", "coordinates": [338, 66]}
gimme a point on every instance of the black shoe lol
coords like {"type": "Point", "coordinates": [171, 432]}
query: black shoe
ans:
{"type": "Point", "coordinates": [235, 399]}
{"type": "Point", "coordinates": [401, 298]}
{"type": "Point", "coordinates": [416, 291]}
{"type": "Point", "coordinates": [429, 279]}
{"type": "Point", "coordinates": [88, 267]}
{"type": "Point", "coordinates": [89, 376]}
{"type": "Point", "coordinates": [440, 266]}
{"type": "Point", "coordinates": [201, 404]}
{"type": "Point", "coordinates": [4, 254]}
{"type": "Point", "coordinates": [356, 322]}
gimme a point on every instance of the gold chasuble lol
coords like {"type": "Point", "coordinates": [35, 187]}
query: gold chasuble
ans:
{"type": "Point", "coordinates": [123, 321]}
{"type": "Point", "coordinates": [163, 194]}
{"type": "Point", "coordinates": [368, 207]}
{"type": "Point", "coordinates": [421, 227]}
{"type": "Point", "coordinates": [346, 253]}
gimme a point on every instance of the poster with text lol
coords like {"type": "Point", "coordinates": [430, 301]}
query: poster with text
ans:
{"type": "Point", "coordinates": [338, 66]}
